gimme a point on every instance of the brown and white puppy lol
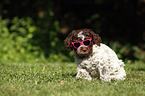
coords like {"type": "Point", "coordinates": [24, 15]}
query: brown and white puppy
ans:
{"type": "Point", "coordinates": [94, 59]}
{"type": "Point", "coordinates": [81, 35]}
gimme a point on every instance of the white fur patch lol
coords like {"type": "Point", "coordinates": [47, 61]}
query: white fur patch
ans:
{"type": "Point", "coordinates": [81, 35]}
{"type": "Point", "coordinates": [104, 62]}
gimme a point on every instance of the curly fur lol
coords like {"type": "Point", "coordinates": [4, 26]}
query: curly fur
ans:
{"type": "Point", "coordinates": [73, 37]}
{"type": "Point", "coordinates": [101, 62]}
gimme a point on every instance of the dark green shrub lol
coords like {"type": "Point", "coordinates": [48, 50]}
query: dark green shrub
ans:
{"type": "Point", "coordinates": [128, 51]}
{"type": "Point", "coordinates": [26, 40]}
{"type": "Point", "coordinates": [23, 40]}
{"type": "Point", "coordinates": [50, 39]}
{"type": "Point", "coordinates": [15, 40]}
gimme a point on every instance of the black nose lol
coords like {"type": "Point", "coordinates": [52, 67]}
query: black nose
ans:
{"type": "Point", "coordinates": [84, 49]}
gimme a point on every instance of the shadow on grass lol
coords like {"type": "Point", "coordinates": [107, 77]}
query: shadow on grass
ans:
{"type": "Point", "coordinates": [69, 75]}
{"type": "Point", "coordinates": [140, 69]}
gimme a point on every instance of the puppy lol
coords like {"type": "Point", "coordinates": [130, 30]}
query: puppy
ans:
{"type": "Point", "coordinates": [94, 59]}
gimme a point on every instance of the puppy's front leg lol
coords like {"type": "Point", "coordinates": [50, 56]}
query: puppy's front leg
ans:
{"type": "Point", "coordinates": [83, 74]}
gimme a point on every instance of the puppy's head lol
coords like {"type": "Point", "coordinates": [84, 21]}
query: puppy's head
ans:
{"type": "Point", "coordinates": [82, 41]}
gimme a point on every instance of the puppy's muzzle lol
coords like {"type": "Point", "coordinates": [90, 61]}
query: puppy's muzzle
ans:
{"type": "Point", "coordinates": [84, 49]}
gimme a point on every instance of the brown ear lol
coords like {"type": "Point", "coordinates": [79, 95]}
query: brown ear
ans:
{"type": "Point", "coordinates": [96, 38]}
{"type": "Point", "coordinates": [68, 41]}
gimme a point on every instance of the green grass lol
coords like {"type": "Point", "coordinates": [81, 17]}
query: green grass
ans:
{"type": "Point", "coordinates": [58, 79]}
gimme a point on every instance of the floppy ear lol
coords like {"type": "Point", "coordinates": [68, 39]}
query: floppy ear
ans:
{"type": "Point", "coordinates": [96, 38]}
{"type": "Point", "coordinates": [68, 41]}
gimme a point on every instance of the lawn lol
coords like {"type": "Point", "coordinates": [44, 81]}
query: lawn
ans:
{"type": "Point", "coordinates": [58, 79]}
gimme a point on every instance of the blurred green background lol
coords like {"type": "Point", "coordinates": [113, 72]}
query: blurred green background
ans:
{"type": "Point", "coordinates": [34, 30]}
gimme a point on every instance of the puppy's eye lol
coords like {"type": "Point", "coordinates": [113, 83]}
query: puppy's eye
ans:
{"type": "Point", "coordinates": [87, 42]}
{"type": "Point", "coordinates": [76, 44]}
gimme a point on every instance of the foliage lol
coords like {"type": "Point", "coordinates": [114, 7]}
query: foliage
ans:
{"type": "Point", "coordinates": [58, 79]}
{"type": "Point", "coordinates": [26, 40]}
{"type": "Point", "coordinates": [49, 37]}
{"type": "Point", "coordinates": [32, 32]}
{"type": "Point", "coordinates": [128, 51]}
{"type": "Point", "coordinates": [16, 37]}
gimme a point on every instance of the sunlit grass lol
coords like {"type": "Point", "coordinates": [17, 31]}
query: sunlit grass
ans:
{"type": "Point", "coordinates": [58, 79]}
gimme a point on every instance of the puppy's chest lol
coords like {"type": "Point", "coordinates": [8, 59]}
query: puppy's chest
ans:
{"type": "Point", "coordinates": [98, 59]}
{"type": "Point", "coordinates": [88, 64]}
